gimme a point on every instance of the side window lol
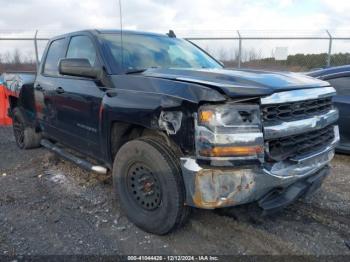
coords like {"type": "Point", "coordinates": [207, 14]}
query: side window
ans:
{"type": "Point", "coordinates": [341, 84]}
{"type": "Point", "coordinates": [55, 53]}
{"type": "Point", "coordinates": [82, 47]}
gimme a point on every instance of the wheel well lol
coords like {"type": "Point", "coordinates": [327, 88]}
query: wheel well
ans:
{"type": "Point", "coordinates": [123, 132]}
{"type": "Point", "coordinates": [13, 102]}
{"type": "Point", "coordinates": [28, 112]}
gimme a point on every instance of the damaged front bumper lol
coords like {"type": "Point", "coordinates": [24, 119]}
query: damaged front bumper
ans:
{"type": "Point", "coordinates": [214, 187]}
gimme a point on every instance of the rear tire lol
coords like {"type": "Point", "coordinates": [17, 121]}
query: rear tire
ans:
{"type": "Point", "coordinates": [148, 182]}
{"type": "Point", "coordinates": [25, 136]}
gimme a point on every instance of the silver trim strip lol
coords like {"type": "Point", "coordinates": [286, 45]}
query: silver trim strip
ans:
{"type": "Point", "coordinates": [300, 126]}
{"type": "Point", "coordinates": [99, 169]}
{"type": "Point", "coordinates": [210, 83]}
{"type": "Point", "coordinates": [298, 95]}
{"type": "Point", "coordinates": [294, 171]}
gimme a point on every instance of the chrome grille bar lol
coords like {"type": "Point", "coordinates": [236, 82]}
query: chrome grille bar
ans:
{"type": "Point", "coordinates": [290, 128]}
{"type": "Point", "coordinates": [298, 95]}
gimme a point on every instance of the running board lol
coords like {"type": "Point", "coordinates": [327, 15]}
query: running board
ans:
{"type": "Point", "coordinates": [68, 156]}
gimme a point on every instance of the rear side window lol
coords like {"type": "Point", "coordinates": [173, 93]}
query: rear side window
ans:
{"type": "Point", "coordinates": [55, 53]}
{"type": "Point", "coordinates": [341, 84]}
{"type": "Point", "coordinates": [82, 47]}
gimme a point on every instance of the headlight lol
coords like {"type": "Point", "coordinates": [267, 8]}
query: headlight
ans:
{"type": "Point", "coordinates": [230, 131]}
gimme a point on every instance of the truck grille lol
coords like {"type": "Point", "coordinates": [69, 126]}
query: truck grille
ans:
{"type": "Point", "coordinates": [282, 148]}
{"type": "Point", "coordinates": [298, 122]}
{"type": "Point", "coordinates": [296, 110]}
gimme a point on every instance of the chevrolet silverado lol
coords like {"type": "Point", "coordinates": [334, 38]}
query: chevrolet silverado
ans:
{"type": "Point", "coordinates": [176, 129]}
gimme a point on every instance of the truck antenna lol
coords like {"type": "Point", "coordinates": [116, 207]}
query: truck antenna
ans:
{"type": "Point", "coordinates": [36, 51]}
{"type": "Point", "coordinates": [121, 31]}
{"type": "Point", "coordinates": [171, 34]}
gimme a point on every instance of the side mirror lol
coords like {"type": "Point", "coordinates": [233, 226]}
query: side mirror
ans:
{"type": "Point", "coordinates": [77, 67]}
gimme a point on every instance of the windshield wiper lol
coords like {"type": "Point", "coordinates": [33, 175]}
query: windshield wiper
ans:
{"type": "Point", "coordinates": [139, 70]}
{"type": "Point", "coordinates": [135, 71]}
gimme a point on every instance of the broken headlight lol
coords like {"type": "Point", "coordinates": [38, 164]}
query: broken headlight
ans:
{"type": "Point", "coordinates": [229, 132]}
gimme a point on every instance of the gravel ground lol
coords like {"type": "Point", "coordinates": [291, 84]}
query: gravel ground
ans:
{"type": "Point", "coordinates": [51, 207]}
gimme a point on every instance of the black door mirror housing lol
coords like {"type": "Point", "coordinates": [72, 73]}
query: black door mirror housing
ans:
{"type": "Point", "coordinates": [77, 67]}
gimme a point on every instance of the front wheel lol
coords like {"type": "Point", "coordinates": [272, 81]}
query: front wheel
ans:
{"type": "Point", "coordinates": [148, 180]}
{"type": "Point", "coordinates": [25, 136]}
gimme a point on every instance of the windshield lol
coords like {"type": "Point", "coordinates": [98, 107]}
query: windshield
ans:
{"type": "Point", "coordinates": [152, 51]}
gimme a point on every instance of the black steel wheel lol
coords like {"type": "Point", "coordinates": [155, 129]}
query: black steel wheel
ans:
{"type": "Point", "coordinates": [18, 130]}
{"type": "Point", "coordinates": [148, 181]}
{"type": "Point", "coordinates": [144, 186]}
{"type": "Point", "coordinates": [25, 136]}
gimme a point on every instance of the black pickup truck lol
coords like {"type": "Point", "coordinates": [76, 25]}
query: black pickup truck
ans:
{"type": "Point", "coordinates": [176, 129]}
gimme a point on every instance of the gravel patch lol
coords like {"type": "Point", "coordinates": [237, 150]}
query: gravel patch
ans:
{"type": "Point", "coordinates": [50, 206]}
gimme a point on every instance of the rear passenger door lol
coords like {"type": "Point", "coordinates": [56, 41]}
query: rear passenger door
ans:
{"type": "Point", "coordinates": [79, 100]}
{"type": "Point", "coordinates": [45, 86]}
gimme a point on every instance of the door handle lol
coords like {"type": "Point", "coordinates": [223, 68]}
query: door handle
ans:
{"type": "Point", "coordinates": [59, 90]}
{"type": "Point", "coordinates": [112, 94]}
{"type": "Point", "coordinates": [39, 87]}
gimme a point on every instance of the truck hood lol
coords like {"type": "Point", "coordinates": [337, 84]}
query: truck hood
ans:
{"type": "Point", "coordinates": [239, 83]}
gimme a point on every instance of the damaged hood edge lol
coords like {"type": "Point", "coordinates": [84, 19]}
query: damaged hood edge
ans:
{"type": "Point", "coordinates": [239, 83]}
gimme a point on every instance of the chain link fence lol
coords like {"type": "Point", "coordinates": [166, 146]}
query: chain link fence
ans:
{"type": "Point", "coordinates": [287, 50]}
{"type": "Point", "coordinates": [271, 50]}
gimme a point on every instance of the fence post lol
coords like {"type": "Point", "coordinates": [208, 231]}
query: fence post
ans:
{"type": "Point", "coordinates": [36, 51]}
{"type": "Point", "coordinates": [329, 49]}
{"type": "Point", "coordinates": [239, 49]}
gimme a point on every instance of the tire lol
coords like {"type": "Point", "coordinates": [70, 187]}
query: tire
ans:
{"type": "Point", "coordinates": [25, 136]}
{"type": "Point", "coordinates": [148, 182]}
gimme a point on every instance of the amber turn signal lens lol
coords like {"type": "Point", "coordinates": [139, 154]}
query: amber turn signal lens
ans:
{"type": "Point", "coordinates": [231, 151]}
{"type": "Point", "coordinates": [205, 116]}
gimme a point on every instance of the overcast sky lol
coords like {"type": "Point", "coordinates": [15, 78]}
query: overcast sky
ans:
{"type": "Point", "coordinates": [187, 17]}
{"type": "Point", "coordinates": [159, 15]}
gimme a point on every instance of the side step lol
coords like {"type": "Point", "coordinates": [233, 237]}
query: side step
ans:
{"type": "Point", "coordinates": [68, 156]}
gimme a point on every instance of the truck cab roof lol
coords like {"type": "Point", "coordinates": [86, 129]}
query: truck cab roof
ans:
{"type": "Point", "coordinates": [107, 31]}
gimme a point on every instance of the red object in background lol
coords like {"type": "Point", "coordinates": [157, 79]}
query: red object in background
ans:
{"type": "Point", "coordinates": [4, 105]}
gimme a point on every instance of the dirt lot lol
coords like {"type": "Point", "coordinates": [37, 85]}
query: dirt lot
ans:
{"type": "Point", "coordinates": [49, 206]}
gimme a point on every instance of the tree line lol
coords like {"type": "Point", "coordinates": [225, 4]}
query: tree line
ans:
{"type": "Point", "coordinates": [16, 61]}
{"type": "Point", "coordinates": [296, 62]}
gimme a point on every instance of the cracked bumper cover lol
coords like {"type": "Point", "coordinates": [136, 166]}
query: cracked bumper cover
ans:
{"type": "Point", "coordinates": [213, 187]}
